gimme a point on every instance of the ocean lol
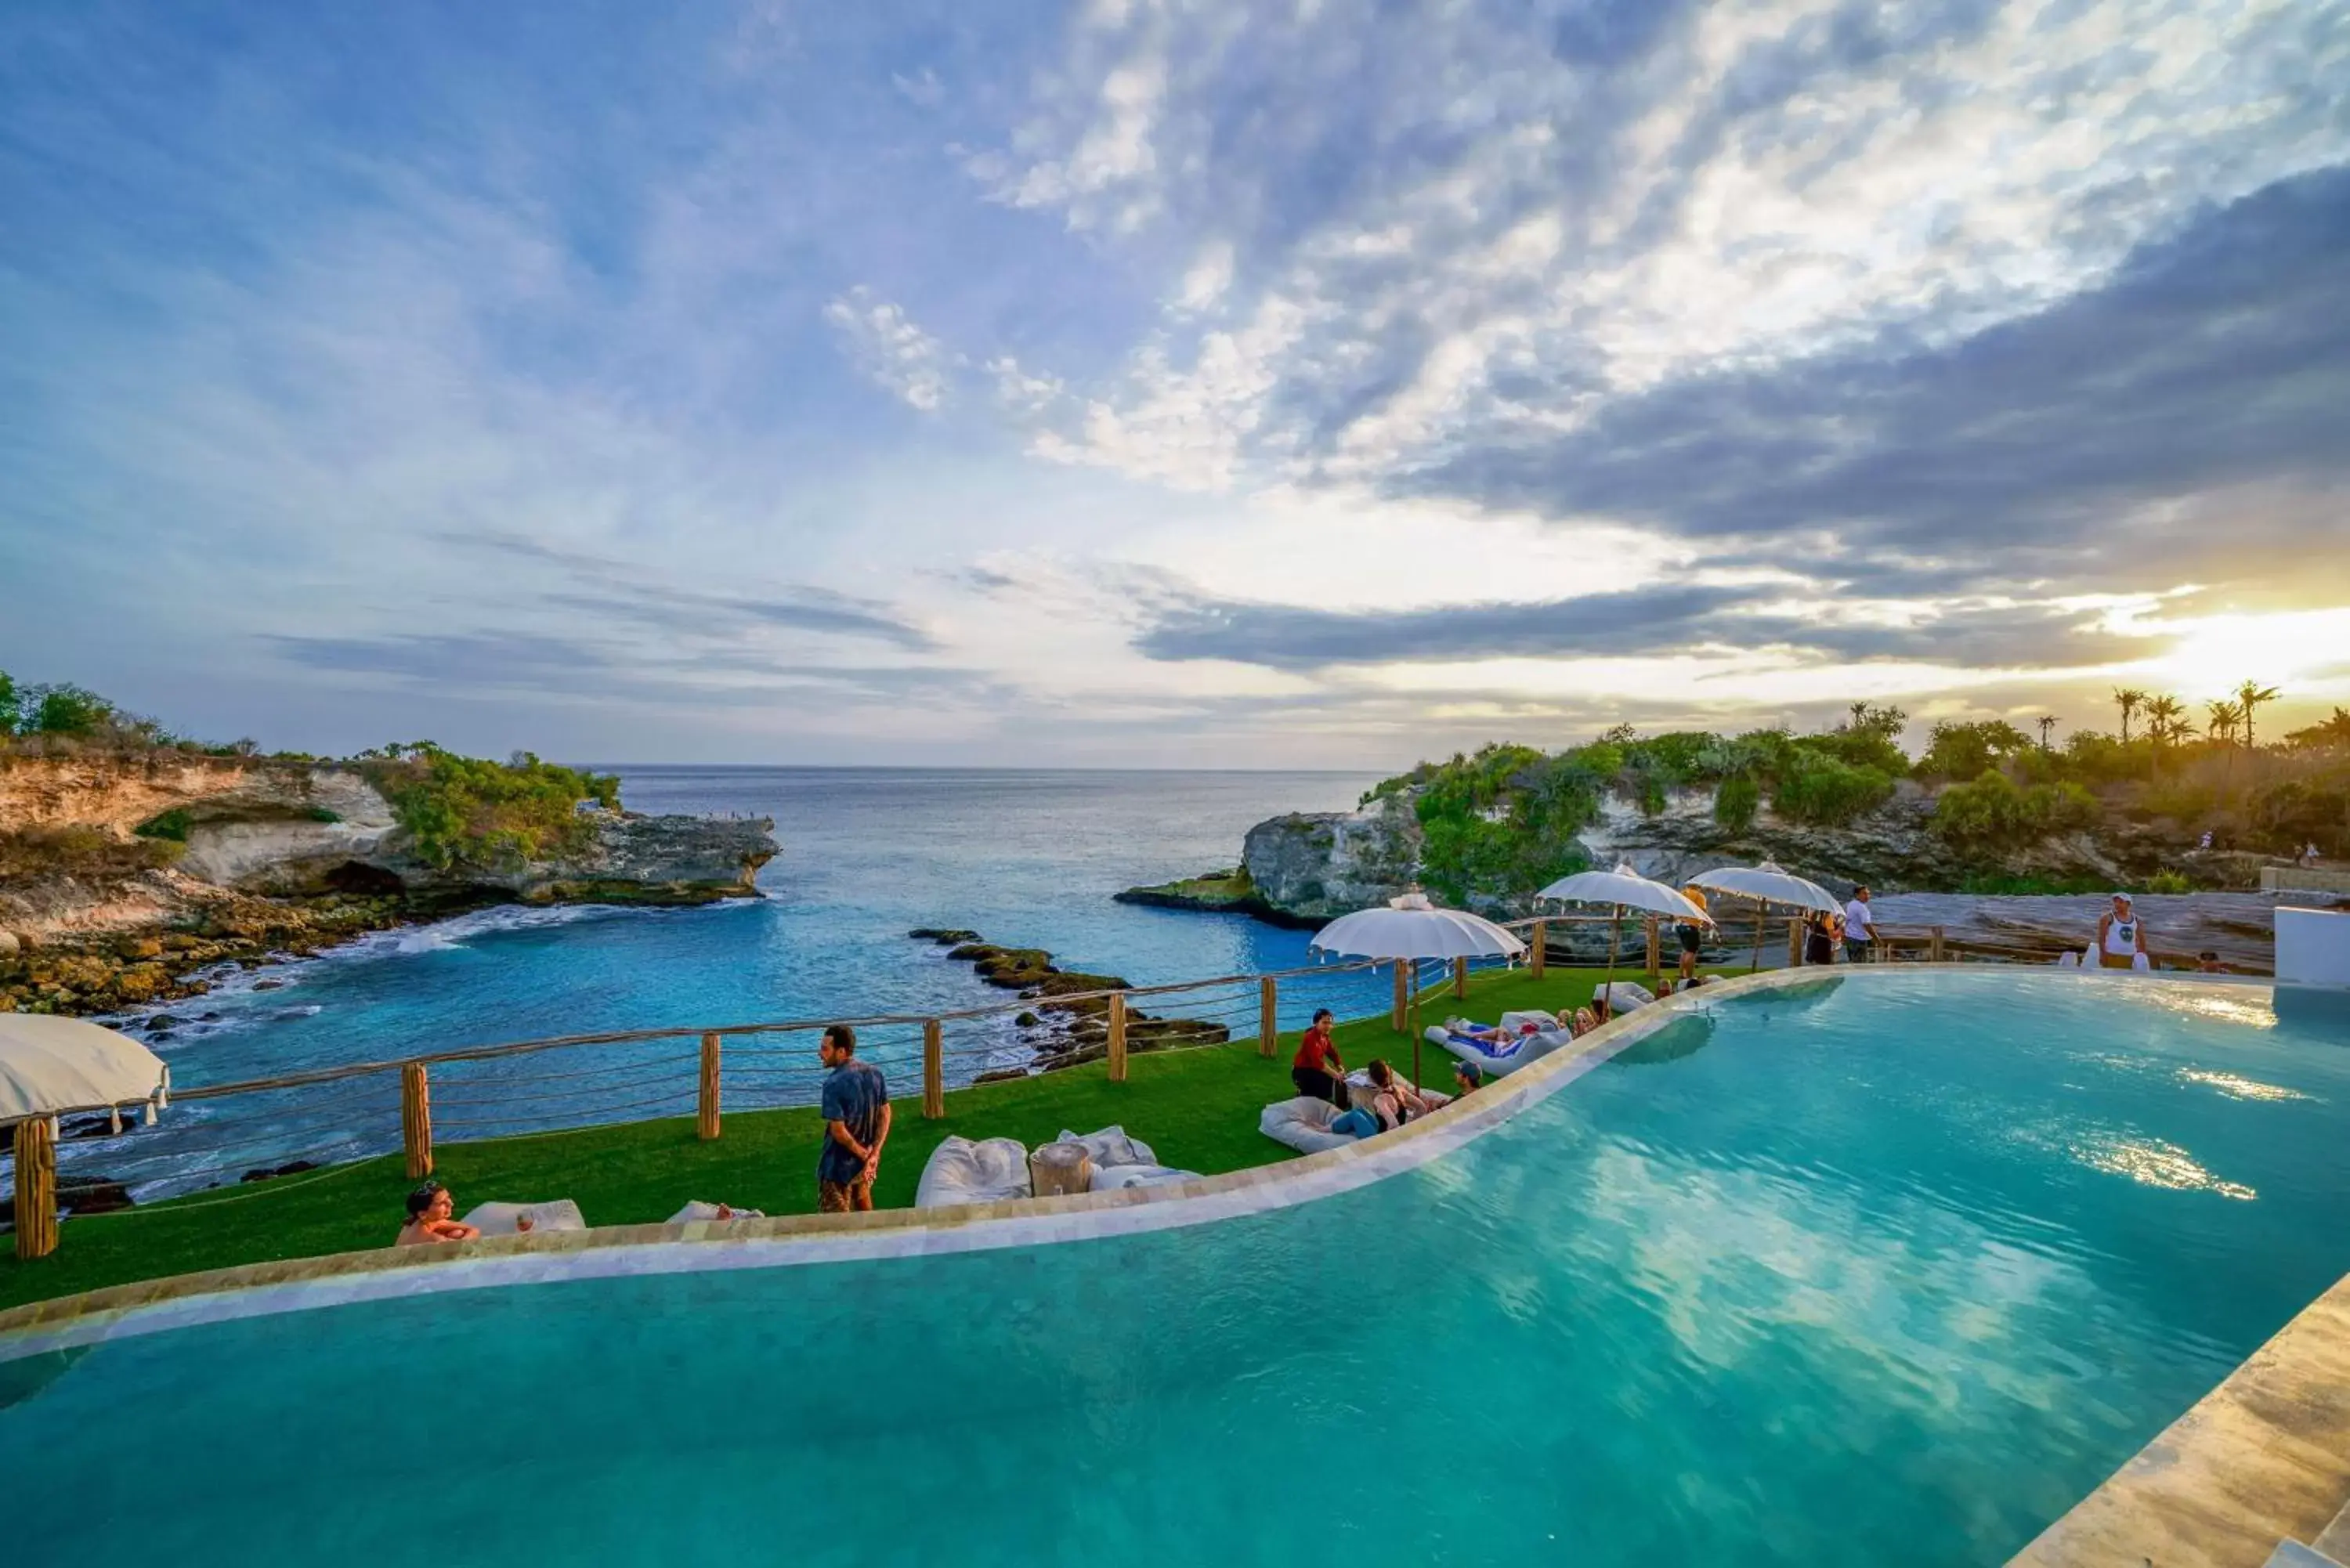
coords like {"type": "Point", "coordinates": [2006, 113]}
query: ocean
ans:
{"type": "Point", "coordinates": [1026, 858]}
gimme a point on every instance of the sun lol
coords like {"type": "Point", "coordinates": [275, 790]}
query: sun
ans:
{"type": "Point", "coordinates": [2215, 654]}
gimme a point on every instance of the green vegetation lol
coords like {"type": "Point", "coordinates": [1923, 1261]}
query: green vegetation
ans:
{"type": "Point", "coordinates": [1993, 814]}
{"type": "Point", "coordinates": [464, 810]}
{"type": "Point", "coordinates": [172, 824]}
{"type": "Point", "coordinates": [1196, 1108]}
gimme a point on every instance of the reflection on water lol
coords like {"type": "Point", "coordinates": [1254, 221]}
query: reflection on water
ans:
{"type": "Point", "coordinates": [2237, 1086]}
{"type": "Point", "coordinates": [2159, 1164]}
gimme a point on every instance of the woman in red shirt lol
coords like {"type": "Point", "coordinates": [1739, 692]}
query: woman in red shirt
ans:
{"type": "Point", "coordinates": [1316, 1069]}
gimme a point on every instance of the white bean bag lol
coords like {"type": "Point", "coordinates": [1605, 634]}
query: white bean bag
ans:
{"type": "Point", "coordinates": [1303, 1124]}
{"type": "Point", "coordinates": [1536, 1047]}
{"type": "Point", "coordinates": [1111, 1146]}
{"type": "Point", "coordinates": [1108, 1178]}
{"type": "Point", "coordinates": [961, 1171]}
{"type": "Point", "coordinates": [502, 1218]}
{"type": "Point", "coordinates": [1627, 995]}
{"type": "Point", "coordinates": [1516, 1022]}
{"type": "Point", "coordinates": [697, 1210]}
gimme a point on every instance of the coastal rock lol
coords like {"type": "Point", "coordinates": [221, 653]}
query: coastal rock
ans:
{"type": "Point", "coordinates": [1317, 865]}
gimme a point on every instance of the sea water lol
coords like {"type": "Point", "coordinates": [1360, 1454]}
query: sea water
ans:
{"type": "Point", "coordinates": [1028, 859]}
{"type": "Point", "coordinates": [1893, 1271]}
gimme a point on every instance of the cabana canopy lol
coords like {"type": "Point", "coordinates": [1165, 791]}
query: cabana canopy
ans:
{"type": "Point", "coordinates": [51, 1064]}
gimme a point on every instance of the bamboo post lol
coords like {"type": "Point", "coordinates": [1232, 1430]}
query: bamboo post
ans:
{"type": "Point", "coordinates": [1461, 979]}
{"type": "Point", "coordinates": [705, 1107]}
{"type": "Point", "coordinates": [1534, 944]}
{"type": "Point", "coordinates": [416, 1119]}
{"type": "Point", "coordinates": [36, 1188]}
{"type": "Point", "coordinates": [1403, 1000]}
{"type": "Point", "coordinates": [1268, 1018]}
{"type": "Point", "coordinates": [1795, 943]}
{"type": "Point", "coordinates": [934, 1070]}
{"type": "Point", "coordinates": [1934, 947]}
{"type": "Point", "coordinates": [1116, 1038]}
{"type": "Point", "coordinates": [1656, 949]}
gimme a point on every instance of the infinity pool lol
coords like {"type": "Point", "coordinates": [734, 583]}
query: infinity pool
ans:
{"type": "Point", "coordinates": [1894, 1270]}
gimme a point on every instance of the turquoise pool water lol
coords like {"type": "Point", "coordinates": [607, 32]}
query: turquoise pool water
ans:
{"type": "Point", "coordinates": [1892, 1271]}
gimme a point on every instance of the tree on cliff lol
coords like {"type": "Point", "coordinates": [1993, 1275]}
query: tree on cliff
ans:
{"type": "Point", "coordinates": [2128, 698]}
{"type": "Point", "coordinates": [7, 703]}
{"type": "Point", "coordinates": [2249, 697]}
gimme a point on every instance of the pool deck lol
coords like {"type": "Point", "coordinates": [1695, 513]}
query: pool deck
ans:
{"type": "Point", "coordinates": [2260, 1461]}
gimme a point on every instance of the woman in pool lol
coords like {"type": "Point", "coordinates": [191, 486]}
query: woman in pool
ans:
{"type": "Point", "coordinates": [430, 1208]}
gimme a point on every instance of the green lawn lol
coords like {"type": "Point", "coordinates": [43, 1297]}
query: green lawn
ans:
{"type": "Point", "coordinates": [1197, 1109]}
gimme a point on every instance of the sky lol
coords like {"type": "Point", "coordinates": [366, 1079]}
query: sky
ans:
{"type": "Point", "coordinates": [1328, 384]}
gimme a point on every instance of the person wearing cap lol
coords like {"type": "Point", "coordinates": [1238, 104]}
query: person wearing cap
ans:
{"type": "Point", "coordinates": [2121, 937]}
{"type": "Point", "coordinates": [1468, 1077]}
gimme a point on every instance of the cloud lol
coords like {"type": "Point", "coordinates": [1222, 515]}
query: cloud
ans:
{"type": "Point", "coordinates": [922, 88]}
{"type": "Point", "coordinates": [1652, 621]}
{"type": "Point", "coordinates": [891, 349]}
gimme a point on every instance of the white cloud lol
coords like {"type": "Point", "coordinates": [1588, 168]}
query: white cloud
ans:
{"type": "Point", "coordinates": [892, 350]}
{"type": "Point", "coordinates": [923, 88]}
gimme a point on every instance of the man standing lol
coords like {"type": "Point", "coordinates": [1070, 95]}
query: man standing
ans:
{"type": "Point", "coordinates": [1859, 927]}
{"type": "Point", "coordinates": [856, 1124]}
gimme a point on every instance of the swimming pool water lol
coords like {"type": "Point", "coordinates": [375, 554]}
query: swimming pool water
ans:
{"type": "Point", "coordinates": [1892, 1270]}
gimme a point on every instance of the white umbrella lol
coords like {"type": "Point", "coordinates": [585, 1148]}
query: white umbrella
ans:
{"type": "Point", "coordinates": [1768, 882]}
{"type": "Point", "coordinates": [1623, 888]}
{"type": "Point", "coordinates": [51, 1064]}
{"type": "Point", "coordinates": [1411, 927]}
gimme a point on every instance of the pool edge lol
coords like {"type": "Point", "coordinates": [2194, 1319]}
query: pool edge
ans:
{"type": "Point", "coordinates": [2262, 1457]}
{"type": "Point", "coordinates": [294, 1285]}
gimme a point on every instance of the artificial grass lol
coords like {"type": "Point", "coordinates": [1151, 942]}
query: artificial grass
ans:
{"type": "Point", "coordinates": [1196, 1108]}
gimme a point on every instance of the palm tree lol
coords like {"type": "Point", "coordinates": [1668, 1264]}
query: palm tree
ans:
{"type": "Point", "coordinates": [2127, 698]}
{"type": "Point", "coordinates": [2165, 721]}
{"type": "Point", "coordinates": [2225, 717]}
{"type": "Point", "coordinates": [2249, 696]}
{"type": "Point", "coordinates": [2047, 722]}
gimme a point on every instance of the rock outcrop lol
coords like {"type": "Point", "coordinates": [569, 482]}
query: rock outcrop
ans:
{"type": "Point", "coordinates": [1316, 866]}
{"type": "Point", "coordinates": [244, 858]}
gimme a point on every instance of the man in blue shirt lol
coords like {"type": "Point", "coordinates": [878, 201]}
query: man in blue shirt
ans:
{"type": "Point", "coordinates": [856, 1124]}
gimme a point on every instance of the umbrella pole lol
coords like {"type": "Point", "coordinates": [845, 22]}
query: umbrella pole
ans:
{"type": "Point", "coordinates": [1614, 928]}
{"type": "Point", "coordinates": [1413, 1020]}
{"type": "Point", "coordinates": [1756, 962]}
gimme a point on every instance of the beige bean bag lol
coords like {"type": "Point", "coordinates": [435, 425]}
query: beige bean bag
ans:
{"type": "Point", "coordinates": [1303, 1124]}
{"type": "Point", "coordinates": [960, 1171]}
{"type": "Point", "coordinates": [1111, 1146]}
{"type": "Point", "coordinates": [1109, 1179]}
{"type": "Point", "coordinates": [502, 1218]}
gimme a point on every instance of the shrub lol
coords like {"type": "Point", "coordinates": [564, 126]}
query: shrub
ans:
{"type": "Point", "coordinates": [465, 811]}
{"type": "Point", "coordinates": [2169, 881]}
{"type": "Point", "coordinates": [1735, 803]}
{"type": "Point", "coordinates": [172, 824]}
{"type": "Point", "coordinates": [319, 814]}
{"type": "Point", "coordinates": [1955, 750]}
{"type": "Point", "coordinates": [66, 710]}
{"type": "Point", "coordinates": [7, 703]}
{"type": "Point", "coordinates": [1825, 792]}
{"type": "Point", "coordinates": [1988, 813]}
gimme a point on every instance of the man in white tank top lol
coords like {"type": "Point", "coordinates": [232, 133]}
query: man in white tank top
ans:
{"type": "Point", "coordinates": [2121, 938]}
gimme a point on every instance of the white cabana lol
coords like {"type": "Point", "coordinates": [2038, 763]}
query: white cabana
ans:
{"type": "Point", "coordinates": [53, 1065]}
{"type": "Point", "coordinates": [1768, 883]}
{"type": "Point", "coordinates": [1621, 890]}
{"type": "Point", "coordinates": [1410, 928]}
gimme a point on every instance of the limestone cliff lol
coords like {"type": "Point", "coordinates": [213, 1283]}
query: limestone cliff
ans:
{"type": "Point", "coordinates": [122, 874]}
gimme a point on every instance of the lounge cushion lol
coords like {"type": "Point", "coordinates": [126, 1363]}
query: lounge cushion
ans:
{"type": "Point", "coordinates": [1111, 1146]}
{"type": "Point", "coordinates": [1109, 1179]}
{"type": "Point", "coordinates": [1303, 1124]}
{"type": "Point", "coordinates": [960, 1171]}
{"type": "Point", "coordinates": [500, 1219]}
{"type": "Point", "coordinates": [697, 1210]}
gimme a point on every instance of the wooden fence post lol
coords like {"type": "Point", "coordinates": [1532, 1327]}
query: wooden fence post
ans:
{"type": "Point", "coordinates": [934, 1069]}
{"type": "Point", "coordinates": [1117, 1037]}
{"type": "Point", "coordinates": [1268, 1019]}
{"type": "Point", "coordinates": [36, 1188]}
{"type": "Point", "coordinates": [1461, 979]}
{"type": "Point", "coordinates": [1934, 948]}
{"type": "Point", "coordinates": [1656, 948]}
{"type": "Point", "coordinates": [1534, 944]}
{"type": "Point", "coordinates": [1795, 943]}
{"type": "Point", "coordinates": [705, 1107]}
{"type": "Point", "coordinates": [416, 1119]}
{"type": "Point", "coordinates": [1397, 1018]}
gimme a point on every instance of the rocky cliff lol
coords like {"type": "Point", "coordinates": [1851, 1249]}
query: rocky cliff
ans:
{"type": "Point", "coordinates": [122, 875]}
